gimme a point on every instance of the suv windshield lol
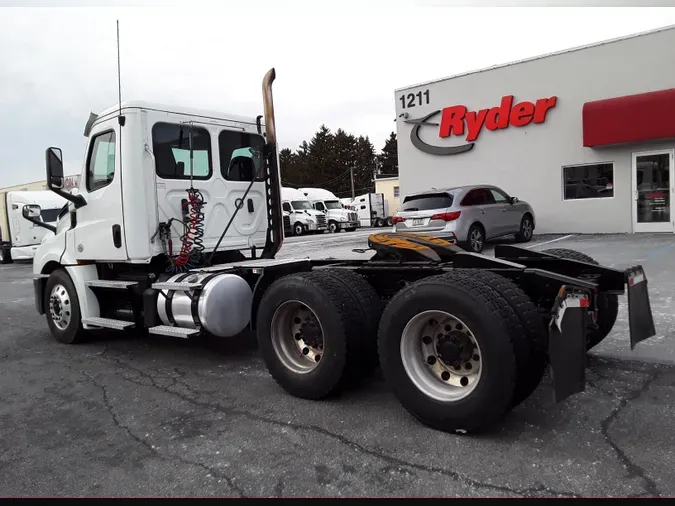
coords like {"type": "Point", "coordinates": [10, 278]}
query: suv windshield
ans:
{"type": "Point", "coordinates": [333, 204]}
{"type": "Point", "coordinates": [427, 202]}
{"type": "Point", "coordinates": [301, 204]}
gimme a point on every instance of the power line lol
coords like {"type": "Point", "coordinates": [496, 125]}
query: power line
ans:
{"type": "Point", "coordinates": [334, 180]}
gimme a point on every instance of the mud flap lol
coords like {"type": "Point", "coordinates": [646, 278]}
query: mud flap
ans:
{"type": "Point", "coordinates": [567, 342]}
{"type": "Point", "coordinates": [640, 318]}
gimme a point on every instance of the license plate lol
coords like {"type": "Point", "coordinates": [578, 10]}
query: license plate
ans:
{"type": "Point", "coordinates": [418, 222]}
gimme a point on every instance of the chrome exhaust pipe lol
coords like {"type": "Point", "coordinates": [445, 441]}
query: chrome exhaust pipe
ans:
{"type": "Point", "coordinates": [275, 222]}
{"type": "Point", "coordinates": [268, 101]}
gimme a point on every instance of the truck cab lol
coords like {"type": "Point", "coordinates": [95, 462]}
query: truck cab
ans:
{"type": "Point", "coordinates": [20, 237]}
{"type": "Point", "coordinates": [338, 217]}
{"type": "Point", "coordinates": [304, 219]}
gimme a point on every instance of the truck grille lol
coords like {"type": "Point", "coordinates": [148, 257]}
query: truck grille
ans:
{"type": "Point", "coordinates": [321, 220]}
{"type": "Point", "coordinates": [353, 217]}
{"type": "Point", "coordinates": [287, 221]}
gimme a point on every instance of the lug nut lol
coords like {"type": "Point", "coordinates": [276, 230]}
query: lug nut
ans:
{"type": "Point", "coordinates": [445, 375]}
{"type": "Point", "coordinates": [298, 336]}
{"type": "Point", "coordinates": [317, 358]}
{"type": "Point", "coordinates": [464, 381]}
{"type": "Point", "coordinates": [476, 357]}
{"type": "Point", "coordinates": [459, 326]}
{"type": "Point", "coordinates": [297, 320]}
{"type": "Point", "coordinates": [305, 351]}
{"type": "Point", "coordinates": [468, 366]}
{"type": "Point", "coordinates": [426, 339]}
{"type": "Point", "coordinates": [431, 360]}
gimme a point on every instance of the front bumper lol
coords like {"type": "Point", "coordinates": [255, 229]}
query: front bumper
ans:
{"type": "Point", "coordinates": [348, 224]}
{"type": "Point", "coordinates": [313, 227]}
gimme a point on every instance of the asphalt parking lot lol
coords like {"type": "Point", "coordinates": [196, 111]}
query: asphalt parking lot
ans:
{"type": "Point", "coordinates": [154, 416]}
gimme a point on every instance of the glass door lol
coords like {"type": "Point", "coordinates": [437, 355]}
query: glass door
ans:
{"type": "Point", "coordinates": [652, 192]}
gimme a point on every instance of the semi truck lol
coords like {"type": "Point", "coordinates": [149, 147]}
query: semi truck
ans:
{"type": "Point", "coordinates": [372, 210]}
{"type": "Point", "coordinates": [461, 338]}
{"type": "Point", "coordinates": [303, 218]}
{"type": "Point", "coordinates": [19, 238]}
{"type": "Point", "coordinates": [338, 217]}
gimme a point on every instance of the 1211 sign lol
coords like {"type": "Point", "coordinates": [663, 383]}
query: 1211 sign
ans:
{"type": "Point", "coordinates": [414, 99]}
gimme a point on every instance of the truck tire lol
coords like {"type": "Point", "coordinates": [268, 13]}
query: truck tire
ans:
{"type": "Point", "coordinates": [5, 255]}
{"type": "Point", "coordinates": [62, 309]}
{"type": "Point", "coordinates": [526, 229]}
{"type": "Point", "coordinates": [308, 334]}
{"type": "Point", "coordinates": [390, 221]}
{"type": "Point", "coordinates": [298, 229]}
{"type": "Point", "coordinates": [452, 307]}
{"type": "Point", "coordinates": [532, 346]}
{"type": "Point", "coordinates": [370, 308]}
{"type": "Point", "coordinates": [608, 304]}
{"type": "Point", "coordinates": [333, 227]}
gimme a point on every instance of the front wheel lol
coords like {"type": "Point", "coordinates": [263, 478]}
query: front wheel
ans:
{"type": "Point", "coordinates": [62, 308]}
{"type": "Point", "coordinates": [5, 255]}
{"type": "Point", "coordinates": [332, 227]}
{"type": "Point", "coordinates": [298, 229]}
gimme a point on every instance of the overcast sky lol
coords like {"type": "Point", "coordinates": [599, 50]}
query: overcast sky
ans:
{"type": "Point", "coordinates": [337, 63]}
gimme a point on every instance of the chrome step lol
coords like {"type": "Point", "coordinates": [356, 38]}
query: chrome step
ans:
{"type": "Point", "coordinates": [107, 283]}
{"type": "Point", "coordinates": [168, 330]}
{"type": "Point", "coordinates": [108, 323]}
{"type": "Point", "coordinates": [179, 286]}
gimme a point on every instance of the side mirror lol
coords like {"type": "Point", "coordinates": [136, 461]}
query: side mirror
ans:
{"type": "Point", "coordinates": [55, 180]}
{"type": "Point", "coordinates": [31, 211]}
{"type": "Point", "coordinates": [514, 200]}
{"type": "Point", "coordinates": [54, 168]}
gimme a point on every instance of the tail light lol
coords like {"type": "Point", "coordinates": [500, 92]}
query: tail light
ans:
{"type": "Point", "coordinates": [397, 219]}
{"type": "Point", "coordinates": [447, 216]}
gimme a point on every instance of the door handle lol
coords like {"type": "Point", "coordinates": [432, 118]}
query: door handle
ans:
{"type": "Point", "coordinates": [250, 205]}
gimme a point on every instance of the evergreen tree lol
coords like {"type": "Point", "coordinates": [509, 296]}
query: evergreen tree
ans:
{"type": "Point", "coordinates": [388, 158]}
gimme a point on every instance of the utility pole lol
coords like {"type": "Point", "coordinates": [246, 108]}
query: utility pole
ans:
{"type": "Point", "coordinates": [351, 174]}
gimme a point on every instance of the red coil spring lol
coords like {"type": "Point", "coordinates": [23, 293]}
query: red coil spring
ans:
{"type": "Point", "coordinates": [192, 239]}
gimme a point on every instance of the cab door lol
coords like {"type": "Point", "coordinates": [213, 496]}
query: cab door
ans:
{"type": "Point", "coordinates": [99, 231]}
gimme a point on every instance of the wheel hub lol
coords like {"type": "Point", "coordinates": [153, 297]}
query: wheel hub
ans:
{"type": "Point", "coordinates": [297, 336]}
{"type": "Point", "coordinates": [441, 355]}
{"type": "Point", "coordinates": [59, 307]}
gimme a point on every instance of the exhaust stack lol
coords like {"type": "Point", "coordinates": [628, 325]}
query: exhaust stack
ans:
{"type": "Point", "coordinates": [268, 101]}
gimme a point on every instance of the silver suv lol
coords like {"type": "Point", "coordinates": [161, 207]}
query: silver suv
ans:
{"type": "Point", "coordinates": [467, 215]}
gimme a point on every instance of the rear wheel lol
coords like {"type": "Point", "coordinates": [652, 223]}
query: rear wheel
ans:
{"type": "Point", "coordinates": [526, 229]}
{"type": "Point", "coordinates": [390, 222]}
{"type": "Point", "coordinates": [308, 334]}
{"type": "Point", "coordinates": [62, 308]}
{"type": "Point", "coordinates": [446, 347]}
{"type": "Point", "coordinates": [475, 239]}
{"type": "Point", "coordinates": [608, 304]}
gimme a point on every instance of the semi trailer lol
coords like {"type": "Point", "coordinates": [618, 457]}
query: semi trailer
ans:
{"type": "Point", "coordinates": [461, 338]}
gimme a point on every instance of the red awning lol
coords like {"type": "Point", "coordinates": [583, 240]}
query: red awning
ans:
{"type": "Point", "coordinates": [633, 118]}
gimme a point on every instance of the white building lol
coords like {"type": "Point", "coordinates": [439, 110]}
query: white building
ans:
{"type": "Point", "coordinates": [585, 135]}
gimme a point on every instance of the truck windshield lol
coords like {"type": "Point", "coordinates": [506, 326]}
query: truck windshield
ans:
{"type": "Point", "coordinates": [332, 204]}
{"type": "Point", "coordinates": [50, 215]}
{"type": "Point", "coordinates": [301, 204]}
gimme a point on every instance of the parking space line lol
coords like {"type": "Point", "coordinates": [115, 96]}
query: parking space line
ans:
{"type": "Point", "coordinates": [549, 242]}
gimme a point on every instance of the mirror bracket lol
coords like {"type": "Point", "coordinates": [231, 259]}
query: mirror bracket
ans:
{"type": "Point", "coordinates": [35, 221]}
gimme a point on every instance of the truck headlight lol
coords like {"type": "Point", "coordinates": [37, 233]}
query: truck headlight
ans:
{"type": "Point", "coordinates": [343, 218]}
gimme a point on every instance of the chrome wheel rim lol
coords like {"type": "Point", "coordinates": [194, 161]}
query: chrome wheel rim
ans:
{"type": "Point", "coordinates": [332, 227]}
{"type": "Point", "coordinates": [476, 239]}
{"type": "Point", "coordinates": [527, 228]}
{"type": "Point", "coordinates": [60, 310]}
{"type": "Point", "coordinates": [298, 230]}
{"type": "Point", "coordinates": [297, 337]}
{"type": "Point", "coordinates": [441, 356]}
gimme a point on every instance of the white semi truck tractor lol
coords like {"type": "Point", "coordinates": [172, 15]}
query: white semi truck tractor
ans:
{"type": "Point", "coordinates": [19, 238]}
{"type": "Point", "coordinates": [338, 217]}
{"type": "Point", "coordinates": [304, 219]}
{"type": "Point", "coordinates": [170, 234]}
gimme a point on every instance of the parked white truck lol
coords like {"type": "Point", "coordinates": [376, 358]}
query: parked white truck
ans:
{"type": "Point", "coordinates": [338, 217]}
{"type": "Point", "coordinates": [304, 219]}
{"type": "Point", "coordinates": [372, 210]}
{"type": "Point", "coordinates": [19, 238]}
{"type": "Point", "coordinates": [171, 235]}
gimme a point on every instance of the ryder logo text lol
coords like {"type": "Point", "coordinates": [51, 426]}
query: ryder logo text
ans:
{"type": "Point", "coordinates": [459, 121]}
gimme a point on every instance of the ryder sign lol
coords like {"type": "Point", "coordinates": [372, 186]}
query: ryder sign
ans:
{"type": "Point", "coordinates": [459, 121]}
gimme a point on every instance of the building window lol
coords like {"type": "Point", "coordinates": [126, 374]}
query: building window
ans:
{"type": "Point", "coordinates": [240, 155]}
{"type": "Point", "coordinates": [171, 147]}
{"type": "Point", "coordinates": [591, 181]}
{"type": "Point", "coordinates": [395, 191]}
{"type": "Point", "coordinates": [101, 163]}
